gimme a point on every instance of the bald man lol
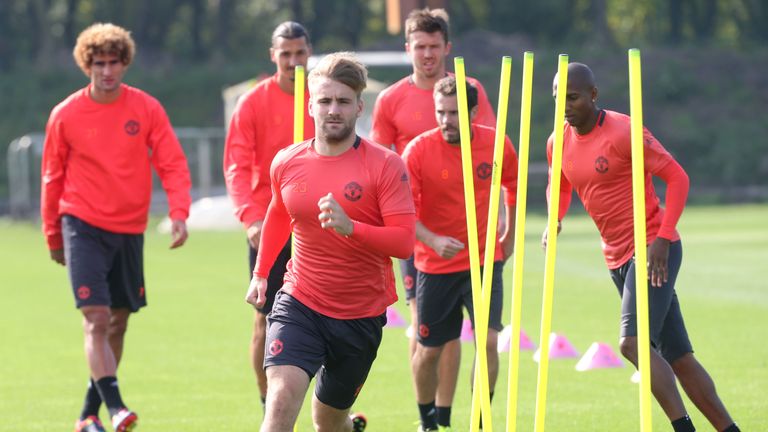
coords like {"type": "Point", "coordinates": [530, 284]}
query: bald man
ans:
{"type": "Point", "coordinates": [597, 163]}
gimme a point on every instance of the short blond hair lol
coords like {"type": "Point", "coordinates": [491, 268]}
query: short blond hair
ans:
{"type": "Point", "coordinates": [100, 39]}
{"type": "Point", "coordinates": [343, 67]}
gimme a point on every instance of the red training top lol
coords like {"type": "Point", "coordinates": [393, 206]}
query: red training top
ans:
{"type": "Point", "coordinates": [261, 125]}
{"type": "Point", "coordinates": [340, 277]}
{"type": "Point", "coordinates": [404, 110]}
{"type": "Point", "coordinates": [599, 166]}
{"type": "Point", "coordinates": [96, 163]}
{"type": "Point", "coordinates": [438, 191]}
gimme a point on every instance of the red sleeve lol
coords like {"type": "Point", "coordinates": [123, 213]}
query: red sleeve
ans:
{"type": "Point", "coordinates": [55, 152]}
{"type": "Point", "coordinates": [566, 189]}
{"type": "Point", "coordinates": [275, 231]}
{"type": "Point", "coordinates": [171, 164]}
{"type": "Point", "coordinates": [509, 173]}
{"type": "Point", "coordinates": [382, 130]}
{"type": "Point", "coordinates": [413, 165]}
{"type": "Point", "coordinates": [485, 115]}
{"type": "Point", "coordinates": [238, 159]}
{"type": "Point", "coordinates": [677, 193]}
{"type": "Point", "coordinates": [396, 238]}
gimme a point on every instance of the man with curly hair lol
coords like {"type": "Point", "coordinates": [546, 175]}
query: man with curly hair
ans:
{"type": "Point", "coordinates": [96, 185]}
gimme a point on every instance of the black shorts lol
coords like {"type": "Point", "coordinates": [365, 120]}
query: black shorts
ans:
{"type": "Point", "coordinates": [439, 298]}
{"type": "Point", "coordinates": [343, 350]}
{"type": "Point", "coordinates": [667, 329]}
{"type": "Point", "coordinates": [105, 268]}
{"type": "Point", "coordinates": [276, 274]}
{"type": "Point", "coordinates": [408, 272]}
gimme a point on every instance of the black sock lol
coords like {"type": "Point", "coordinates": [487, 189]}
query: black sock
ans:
{"type": "Point", "coordinates": [92, 401]}
{"type": "Point", "coordinates": [481, 415]}
{"type": "Point", "coordinates": [683, 424]}
{"type": "Point", "coordinates": [443, 415]}
{"type": "Point", "coordinates": [110, 394]}
{"type": "Point", "coordinates": [732, 428]}
{"type": "Point", "coordinates": [427, 412]}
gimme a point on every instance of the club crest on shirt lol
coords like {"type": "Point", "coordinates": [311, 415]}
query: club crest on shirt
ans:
{"type": "Point", "coordinates": [484, 170]}
{"type": "Point", "coordinates": [601, 165]}
{"type": "Point", "coordinates": [132, 127]}
{"type": "Point", "coordinates": [353, 191]}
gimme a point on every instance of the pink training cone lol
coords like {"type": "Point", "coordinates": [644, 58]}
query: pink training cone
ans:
{"type": "Point", "coordinates": [599, 356]}
{"type": "Point", "coordinates": [394, 319]}
{"type": "Point", "coordinates": [505, 340]}
{"type": "Point", "coordinates": [525, 342]}
{"type": "Point", "coordinates": [559, 347]}
{"type": "Point", "coordinates": [467, 335]}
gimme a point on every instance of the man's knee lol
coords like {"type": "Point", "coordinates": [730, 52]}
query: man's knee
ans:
{"type": "Point", "coordinates": [96, 319]}
{"type": "Point", "coordinates": [685, 364]}
{"type": "Point", "coordinates": [427, 355]}
{"type": "Point", "coordinates": [628, 348]}
{"type": "Point", "coordinates": [118, 323]}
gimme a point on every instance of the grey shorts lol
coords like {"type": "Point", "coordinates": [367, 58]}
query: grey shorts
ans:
{"type": "Point", "coordinates": [667, 329]}
{"type": "Point", "coordinates": [105, 268]}
{"type": "Point", "coordinates": [439, 301]}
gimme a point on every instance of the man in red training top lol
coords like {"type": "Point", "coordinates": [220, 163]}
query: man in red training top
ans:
{"type": "Point", "coordinates": [443, 283]}
{"type": "Point", "coordinates": [261, 125]}
{"type": "Point", "coordinates": [100, 145]}
{"type": "Point", "coordinates": [406, 109]}
{"type": "Point", "coordinates": [597, 163]}
{"type": "Point", "coordinates": [349, 206]}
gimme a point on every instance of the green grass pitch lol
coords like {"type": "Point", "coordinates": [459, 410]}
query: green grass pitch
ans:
{"type": "Point", "coordinates": [186, 365]}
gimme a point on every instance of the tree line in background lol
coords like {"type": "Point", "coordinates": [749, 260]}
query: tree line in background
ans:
{"type": "Point", "coordinates": [704, 87]}
{"type": "Point", "coordinates": [39, 31]}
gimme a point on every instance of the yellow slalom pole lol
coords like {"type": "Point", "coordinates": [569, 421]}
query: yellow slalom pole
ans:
{"type": "Point", "coordinates": [481, 320]}
{"type": "Point", "coordinates": [298, 104]}
{"type": "Point", "coordinates": [549, 264]}
{"type": "Point", "coordinates": [517, 270]}
{"type": "Point", "coordinates": [298, 124]}
{"type": "Point", "coordinates": [641, 271]}
{"type": "Point", "coordinates": [474, 250]}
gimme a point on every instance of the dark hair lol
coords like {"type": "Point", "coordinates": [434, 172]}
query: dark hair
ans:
{"type": "Point", "coordinates": [447, 87]}
{"type": "Point", "coordinates": [428, 21]}
{"type": "Point", "coordinates": [289, 30]}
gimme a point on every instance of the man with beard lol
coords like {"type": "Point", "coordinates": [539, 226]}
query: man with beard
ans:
{"type": "Point", "coordinates": [403, 111]}
{"type": "Point", "coordinates": [597, 163]}
{"type": "Point", "coordinates": [443, 283]}
{"type": "Point", "coordinates": [262, 125]}
{"type": "Point", "coordinates": [349, 206]}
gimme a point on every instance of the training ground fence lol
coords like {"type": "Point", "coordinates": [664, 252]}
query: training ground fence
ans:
{"type": "Point", "coordinates": [204, 148]}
